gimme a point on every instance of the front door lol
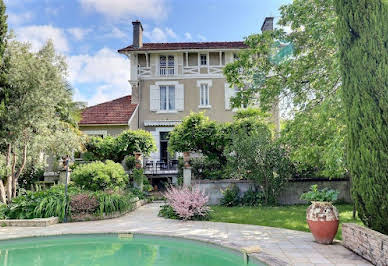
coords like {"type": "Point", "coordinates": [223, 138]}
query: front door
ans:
{"type": "Point", "coordinates": [163, 147]}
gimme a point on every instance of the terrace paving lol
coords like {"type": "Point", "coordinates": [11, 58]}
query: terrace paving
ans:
{"type": "Point", "coordinates": [278, 246]}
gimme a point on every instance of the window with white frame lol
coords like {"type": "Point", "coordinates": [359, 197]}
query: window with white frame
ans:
{"type": "Point", "coordinates": [203, 60]}
{"type": "Point", "coordinates": [167, 98]}
{"type": "Point", "coordinates": [204, 94]}
{"type": "Point", "coordinates": [166, 65]}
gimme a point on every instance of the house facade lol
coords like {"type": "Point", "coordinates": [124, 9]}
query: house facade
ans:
{"type": "Point", "coordinates": [169, 81]}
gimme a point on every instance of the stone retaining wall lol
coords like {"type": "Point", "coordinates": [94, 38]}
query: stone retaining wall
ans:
{"type": "Point", "coordinates": [38, 222]}
{"type": "Point", "coordinates": [289, 196]}
{"type": "Point", "coordinates": [367, 243]}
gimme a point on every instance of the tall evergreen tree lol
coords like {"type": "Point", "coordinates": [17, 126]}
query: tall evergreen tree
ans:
{"type": "Point", "coordinates": [363, 40]}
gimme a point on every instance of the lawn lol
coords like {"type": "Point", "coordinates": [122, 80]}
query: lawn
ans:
{"type": "Point", "coordinates": [290, 217]}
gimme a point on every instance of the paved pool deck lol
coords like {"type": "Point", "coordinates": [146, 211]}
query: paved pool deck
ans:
{"type": "Point", "coordinates": [277, 246]}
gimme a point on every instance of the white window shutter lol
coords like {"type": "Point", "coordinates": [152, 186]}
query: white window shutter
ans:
{"type": "Point", "coordinates": [154, 98]}
{"type": "Point", "coordinates": [229, 92]}
{"type": "Point", "coordinates": [180, 97]}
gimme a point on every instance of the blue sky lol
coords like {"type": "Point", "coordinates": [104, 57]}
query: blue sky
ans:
{"type": "Point", "coordinates": [89, 32]}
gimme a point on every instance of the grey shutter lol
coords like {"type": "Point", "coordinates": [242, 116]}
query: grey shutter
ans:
{"type": "Point", "coordinates": [154, 98]}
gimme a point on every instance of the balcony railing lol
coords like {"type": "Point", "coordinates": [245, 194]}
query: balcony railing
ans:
{"type": "Point", "coordinates": [166, 71]}
{"type": "Point", "coordinates": [160, 167]}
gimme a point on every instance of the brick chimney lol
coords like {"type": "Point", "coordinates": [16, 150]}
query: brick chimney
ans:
{"type": "Point", "coordinates": [137, 34]}
{"type": "Point", "coordinates": [267, 24]}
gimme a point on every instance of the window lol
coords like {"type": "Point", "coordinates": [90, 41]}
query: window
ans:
{"type": "Point", "coordinates": [167, 98]}
{"type": "Point", "coordinates": [235, 57]}
{"type": "Point", "coordinates": [204, 95]}
{"type": "Point", "coordinates": [203, 60]}
{"type": "Point", "coordinates": [166, 65]}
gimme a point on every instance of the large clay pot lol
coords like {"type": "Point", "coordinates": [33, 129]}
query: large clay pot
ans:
{"type": "Point", "coordinates": [323, 220]}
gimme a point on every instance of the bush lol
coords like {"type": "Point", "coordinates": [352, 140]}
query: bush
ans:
{"type": "Point", "coordinates": [116, 148]}
{"type": "Point", "coordinates": [100, 176]}
{"type": "Point", "coordinates": [130, 162]}
{"type": "Point", "coordinates": [32, 173]}
{"type": "Point", "coordinates": [113, 202]}
{"type": "Point", "coordinates": [231, 196]}
{"type": "Point", "coordinates": [83, 203]}
{"type": "Point", "coordinates": [325, 194]}
{"type": "Point", "coordinates": [188, 204]}
{"type": "Point", "coordinates": [167, 211]}
{"type": "Point", "coordinates": [206, 168]}
{"type": "Point", "coordinates": [252, 198]}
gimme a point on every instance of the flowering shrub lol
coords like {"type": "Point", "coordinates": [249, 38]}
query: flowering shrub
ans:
{"type": "Point", "coordinates": [83, 203]}
{"type": "Point", "coordinates": [188, 204]}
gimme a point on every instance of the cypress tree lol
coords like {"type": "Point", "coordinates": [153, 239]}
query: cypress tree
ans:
{"type": "Point", "coordinates": [363, 43]}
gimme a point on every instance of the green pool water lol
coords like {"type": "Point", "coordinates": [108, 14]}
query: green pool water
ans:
{"type": "Point", "coordinates": [114, 250]}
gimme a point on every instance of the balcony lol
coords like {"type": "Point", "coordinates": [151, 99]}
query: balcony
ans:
{"type": "Point", "coordinates": [161, 167]}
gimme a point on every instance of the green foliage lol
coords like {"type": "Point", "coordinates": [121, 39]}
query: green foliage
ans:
{"type": "Point", "coordinates": [363, 40]}
{"type": "Point", "coordinates": [3, 210]}
{"type": "Point", "coordinates": [40, 204]}
{"type": "Point", "coordinates": [168, 212]}
{"type": "Point", "coordinates": [231, 196]}
{"type": "Point", "coordinates": [117, 148]}
{"type": "Point", "coordinates": [325, 194]}
{"type": "Point", "coordinates": [113, 202]}
{"type": "Point", "coordinates": [130, 162]}
{"type": "Point", "coordinates": [100, 176]}
{"type": "Point", "coordinates": [206, 168]}
{"type": "Point", "coordinates": [33, 173]}
{"type": "Point", "coordinates": [253, 155]}
{"type": "Point", "coordinates": [316, 140]}
{"type": "Point", "coordinates": [252, 197]}
{"type": "Point", "coordinates": [138, 177]}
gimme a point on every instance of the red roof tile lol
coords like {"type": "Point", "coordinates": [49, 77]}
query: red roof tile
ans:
{"type": "Point", "coordinates": [186, 45]}
{"type": "Point", "coordinates": [117, 111]}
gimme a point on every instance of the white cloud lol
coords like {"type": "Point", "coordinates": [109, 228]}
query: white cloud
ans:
{"type": "Point", "coordinates": [107, 68]}
{"type": "Point", "coordinates": [115, 33]}
{"type": "Point", "coordinates": [38, 35]}
{"type": "Point", "coordinates": [20, 18]}
{"type": "Point", "coordinates": [78, 33]}
{"type": "Point", "coordinates": [160, 35]}
{"type": "Point", "coordinates": [154, 9]}
{"type": "Point", "coordinates": [188, 36]}
{"type": "Point", "coordinates": [201, 37]}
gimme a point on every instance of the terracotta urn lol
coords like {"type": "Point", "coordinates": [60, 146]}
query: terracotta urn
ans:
{"type": "Point", "coordinates": [323, 220]}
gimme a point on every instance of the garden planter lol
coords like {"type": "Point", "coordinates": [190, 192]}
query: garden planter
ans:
{"type": "Point", "coordinates": [323, 220]}
{"type": "Point", "coordinates": [186, 158]}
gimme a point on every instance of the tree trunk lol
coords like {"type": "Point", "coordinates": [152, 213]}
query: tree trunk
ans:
{"type": "Point", "coordinates": [16, 176]}
{"type": "Point", "coordinates": [3, 197]}
{"type": "Point", "coordinates": [10, 177]}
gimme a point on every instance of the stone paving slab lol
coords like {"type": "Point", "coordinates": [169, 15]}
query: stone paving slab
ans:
{"type": "Point", "coordinates": [278, 246]}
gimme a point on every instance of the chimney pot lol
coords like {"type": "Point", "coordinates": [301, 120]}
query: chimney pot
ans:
{"type": "Point", "coordinates": [137, 34]}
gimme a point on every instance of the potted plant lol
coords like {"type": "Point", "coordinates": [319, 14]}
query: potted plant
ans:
{"type": "Point", "coordinates": [322, 217]}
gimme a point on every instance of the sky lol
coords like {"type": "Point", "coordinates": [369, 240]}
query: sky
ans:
{"type": "Point", "coordinates": [89, 32]}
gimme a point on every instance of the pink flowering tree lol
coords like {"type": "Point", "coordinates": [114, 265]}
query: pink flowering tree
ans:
{"type": "Point", "coordinates": [187, 203]}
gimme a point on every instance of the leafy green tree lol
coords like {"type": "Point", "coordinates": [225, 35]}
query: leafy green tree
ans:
{"type": "Point", "coordinates": [363, 39]}
{"type": "Point", "coordinates": [253, 155]}
{"type": "Point", "coordinates": [37, 117]}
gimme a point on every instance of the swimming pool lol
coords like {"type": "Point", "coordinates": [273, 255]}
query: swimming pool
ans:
{"type": "Point", "coordinates": [115, 249]}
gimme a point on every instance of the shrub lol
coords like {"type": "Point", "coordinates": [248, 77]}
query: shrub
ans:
{"type": "Point", "coordinates": [167, 211]}
{"type": "Point", "coordinates": [231, 196]}
{"type": "Point", "coordinates": [325, 194]}
{"type": "Point", "coordinates": [252, 197]}
{"type": "Point", "coordinates": [113, 202]}
{"type": "Point", "coordinates": [3, 210]}
{"type": "Point", "coordinates": [83, 203]}
{"type": "Point", "coordinates": [207, 168]}
{"type": "Point", "coordinates": [188, 204]}
{"type": "Point", "coordinates": [116, 148]}
{"type": "Point", "coordinates": [99, 176]}
{"type": "Point", "coordinates": [130, 162]}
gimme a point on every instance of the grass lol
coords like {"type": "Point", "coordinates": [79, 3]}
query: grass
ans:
{"type": "Point", "coordinates": [289, 217]}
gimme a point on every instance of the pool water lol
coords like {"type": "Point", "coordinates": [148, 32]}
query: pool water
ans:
{"type": "Point", "coordinates": [113, 249]}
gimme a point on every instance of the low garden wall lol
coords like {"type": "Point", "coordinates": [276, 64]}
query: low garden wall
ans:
{"type": "Point", "coordinates": [289, 196]}
{"type": "Point", "coordinates": [367, 243]}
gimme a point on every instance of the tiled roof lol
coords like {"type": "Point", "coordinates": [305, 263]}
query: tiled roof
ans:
{"type": "Point", "coordinates": [117, 111]}
{"type": "Point", "coordinates": [186, 45]}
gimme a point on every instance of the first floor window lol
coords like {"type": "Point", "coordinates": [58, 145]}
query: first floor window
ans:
{"type": "Point", "coordinates": [204, 95]}
{"type": "Point", "coordinates": [167, 98]}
